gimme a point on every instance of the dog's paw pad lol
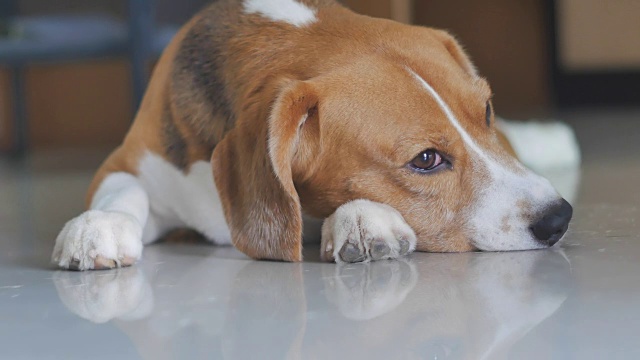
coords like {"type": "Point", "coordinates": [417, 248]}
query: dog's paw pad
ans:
{"type": "Point", "coordinates": [128, 261]}
{"type": "Point", "coordinates": [351, 253]}
{"type": "Point", "coordinates": [379, 249]}
{"type": "Point", "coordinates": [405, 246]}
{"type": "Point", "coordinates": [100, 263]}
{"type": "Point", "coordinates": [74, 264]}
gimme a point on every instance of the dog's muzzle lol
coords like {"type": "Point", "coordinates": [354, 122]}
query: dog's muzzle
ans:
{"type": "Point", "coordinates": [553, 224]}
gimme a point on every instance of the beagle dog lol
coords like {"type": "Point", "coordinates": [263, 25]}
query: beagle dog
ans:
{"type": "Point", "coordinates": [262, 113]}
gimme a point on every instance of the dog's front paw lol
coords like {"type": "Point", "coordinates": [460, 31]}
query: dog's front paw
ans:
{"type": "Point", "coordinates": [362, 230]}
{"type": "Point", "coordinates": [98, 240]}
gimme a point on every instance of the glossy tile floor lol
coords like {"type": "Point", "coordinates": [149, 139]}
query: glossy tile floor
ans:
{"type": "Point", "coordinates": [580, 300]}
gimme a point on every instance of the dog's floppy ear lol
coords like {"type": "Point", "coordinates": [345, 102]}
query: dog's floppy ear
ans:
{"type": "Point", "coordinates": [456, 50]}
{"type": "Point", "coordinates": [252, 167]}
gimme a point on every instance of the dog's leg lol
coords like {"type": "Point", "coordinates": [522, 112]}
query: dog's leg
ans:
{"type": "Point", "coordinates": [109, 234]}
{"type": "Point", "coordinates": [362, 230]}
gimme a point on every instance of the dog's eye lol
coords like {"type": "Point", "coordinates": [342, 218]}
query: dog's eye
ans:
{"type": "Point", "coordinates": [426, 161]}
{"type": "Point", "coordinates": [488, 113]}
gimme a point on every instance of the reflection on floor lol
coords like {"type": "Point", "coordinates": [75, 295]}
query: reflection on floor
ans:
{"type": "Point", "coordinates": [576, 301]}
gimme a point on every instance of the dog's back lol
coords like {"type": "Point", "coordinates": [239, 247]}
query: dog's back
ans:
{"type": "Point", "coordinates": [220, 60]}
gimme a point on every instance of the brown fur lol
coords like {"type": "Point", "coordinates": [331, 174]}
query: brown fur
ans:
{"type": "Point", "coordinates": [336, 106]}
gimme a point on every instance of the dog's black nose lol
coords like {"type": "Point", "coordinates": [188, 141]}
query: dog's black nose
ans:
{"type": "Point", "coordinates": [553, 224]}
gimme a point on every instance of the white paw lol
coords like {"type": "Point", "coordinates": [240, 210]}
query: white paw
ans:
{"type": "Point", "coordinates": [98, 240]}
{"type": "Point", "coordinates": [362, 230]}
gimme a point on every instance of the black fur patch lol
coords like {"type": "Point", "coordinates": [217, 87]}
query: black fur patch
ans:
{"type": "Point", "coordinates": [173, 141]}
{"type": "Point", "coordinates": [198, 66]}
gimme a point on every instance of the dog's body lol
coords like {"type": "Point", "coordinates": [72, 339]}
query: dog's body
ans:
{"type": "Point", "coordinates": [302, 104]}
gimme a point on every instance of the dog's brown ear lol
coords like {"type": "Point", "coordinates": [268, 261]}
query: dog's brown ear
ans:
{"type": "Point", "coordinates": [252, 167]}
{"type": "Point", "coordinates": [456, 50]}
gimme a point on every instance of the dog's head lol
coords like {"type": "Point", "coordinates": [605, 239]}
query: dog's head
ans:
{"type": "Point", "coordinates": [403, 120]}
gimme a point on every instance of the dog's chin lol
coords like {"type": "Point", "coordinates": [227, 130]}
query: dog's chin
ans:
{"type": "Point", "coordinates": [487, 242]}
{"type": "Point", "coordinates": [515, 242]}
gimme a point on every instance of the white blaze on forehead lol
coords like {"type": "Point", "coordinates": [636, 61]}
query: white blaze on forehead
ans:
{"type": "Point", "coordinates": [452, 118]}
{"type": "Point", "coordinates": [289, 11]}
{"type": "Point", "coordinates": [494, 165]}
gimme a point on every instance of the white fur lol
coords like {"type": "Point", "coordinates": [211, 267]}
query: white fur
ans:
{"type": "Point", "coordinates": [454, 121]}
{"type": "Point", "coordinates": [550, 149]}
{"type": "Point", "coordinates": [360, 222]}
{"type": "Point", "coordinates": [111, 229]}
{"type": "Point", "coordinates": [184, 200]}
{"type": "Point", "coordinates": [289, 11]}
{"type": "Point", "coordinates": [127, 211]}
{"type": "Point", "coordinates": [497, 205]}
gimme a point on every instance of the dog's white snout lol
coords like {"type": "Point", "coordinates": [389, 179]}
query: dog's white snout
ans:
{"type": "Point", "coordinates": [540, 189]}
{"type": "Point", "coordinates": [511, 207]}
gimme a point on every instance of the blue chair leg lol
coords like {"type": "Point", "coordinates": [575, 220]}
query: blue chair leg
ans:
{"type": "Point", "coordinates": [20, 128]}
